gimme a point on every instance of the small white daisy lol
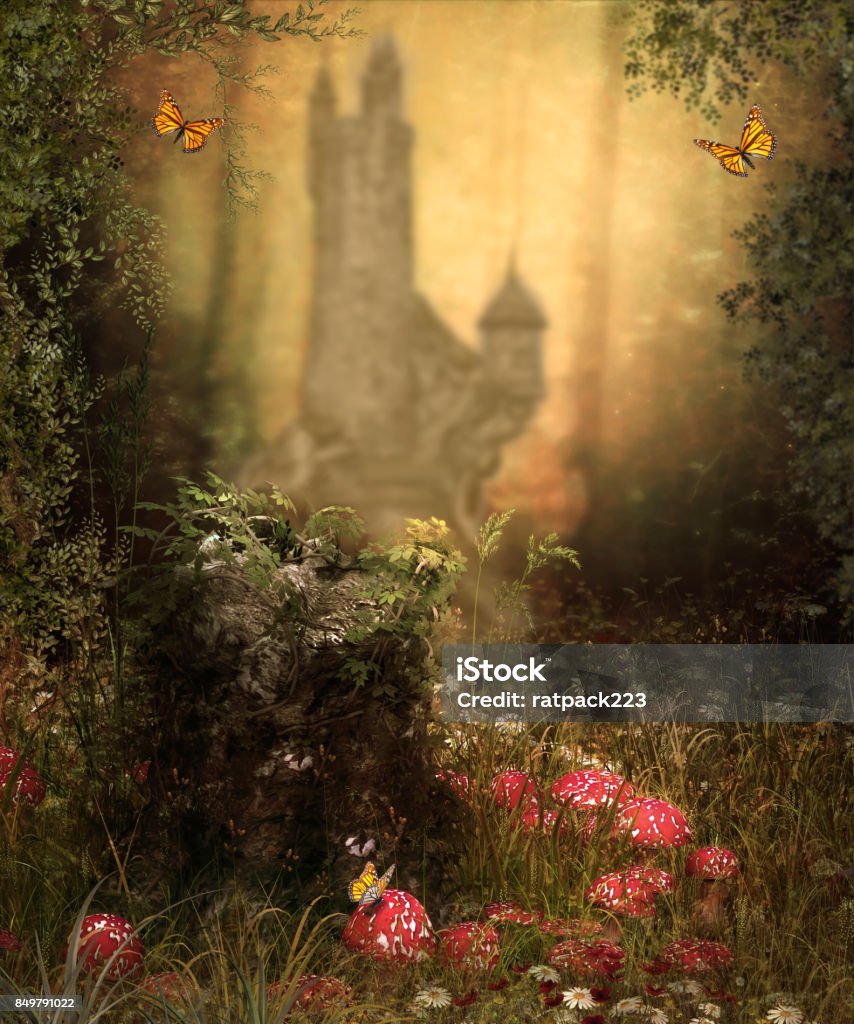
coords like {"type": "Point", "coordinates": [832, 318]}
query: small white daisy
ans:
{"type": "Point", "coordinates": [709, 1010]}
{"type": "Point", "coordinates": [543, 972]}
{"type": "Point", "coordinates": [634, 1004]}
{"type": "Point", "coordinates": [432, 997]}
{"type": "Point", "coordinates": [687, 988]}
{"type": "Point", "coordinates": [783, 1014]}
{"type": "Point", "coordinates": [701, 1020]}
{"type": "Point", "coordinates": [579, 999]}
{"type": "Point", "coordinates": [655, 1015]}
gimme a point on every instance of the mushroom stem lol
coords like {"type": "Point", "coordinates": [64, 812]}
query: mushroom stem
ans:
{"type": "Point", "coordinates": [711, 905]}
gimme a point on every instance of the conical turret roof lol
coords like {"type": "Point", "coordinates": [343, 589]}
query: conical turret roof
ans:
{"type": "Point", "coordinates": [512, 305]}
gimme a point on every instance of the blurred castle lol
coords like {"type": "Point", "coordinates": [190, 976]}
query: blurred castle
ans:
{"type": "Point", "coordinates": [399, 417]}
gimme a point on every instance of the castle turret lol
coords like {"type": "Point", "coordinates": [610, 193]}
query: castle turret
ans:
{"type": "Point", "coordinates": [381, 82]}
{"type": "Point", "coordinates": [360, 180]}
{"type": "Point", "coordinates": [511, 329]}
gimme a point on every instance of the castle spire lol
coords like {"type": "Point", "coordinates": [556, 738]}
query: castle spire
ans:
{"type": "Point", "coordinates": [513, 305]}
{"type": "Point", "coordinates": [381, 82]}
{"type": "Point", "coordinates": [323, 94]}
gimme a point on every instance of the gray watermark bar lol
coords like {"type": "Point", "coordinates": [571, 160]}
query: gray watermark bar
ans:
{"type": "Point", "coordinates": [647, 683]}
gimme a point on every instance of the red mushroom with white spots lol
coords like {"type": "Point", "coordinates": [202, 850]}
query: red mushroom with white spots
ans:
{"type": "Point", "coordinates": [570, 926]}
{"type": "Point", "coordinates": [109, 939]}
{"type": "Point", "coordinates": [507, 912]}
{"type": "Point", "coordinates": [691, 956]}
{"type": "Point", "coordinates": [713, 865]}
{"type": "Point", "coordinates": [459, 782]}
{"type": "Point", "coordinates": [652, 824]}
{"type": "Point", "coordinates": [541, 819]}
{"type": "Point", "coordinates": [29, 786]}
{"type": "Point", "coordinates": [623, 892]}
{"type": "Point", "coordinates": [395, 928]}
{"type": "Point", "coordinates": [511, 788]}
{"type": "Point", "coordinates": [589, 959]}
{"type": "Point", "coordinates": [628, 893]}
{"type": "Point", "coordinates": [314, 992]}
{"type": "Point", "coordinates": [591, 790]}
{"type": "Point", "coordinates": [173, 987]}
{"type": "Point", "coordinates": [656, 878]}
{"type": "Point", "coordinates": [470, 945]}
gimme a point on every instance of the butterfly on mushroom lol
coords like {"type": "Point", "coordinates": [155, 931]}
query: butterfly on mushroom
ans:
{"type": "Point", "coordinates": [194, 133]}
{"type": "Point", "coordinates": [367, 890]}
{"type": "Point", "coordinates": [756, 140]}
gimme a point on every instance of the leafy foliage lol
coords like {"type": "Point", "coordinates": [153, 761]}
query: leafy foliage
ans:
{"type": "Point", "coordinates": [689, 49]}
{"type": "Point", "coordinates": [74, 246]}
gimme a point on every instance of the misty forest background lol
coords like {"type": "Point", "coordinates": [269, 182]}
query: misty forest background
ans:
{"type": "Point", "coordinates": [695, 443]}
{"type": "Point", "coordinates": [695, 447]}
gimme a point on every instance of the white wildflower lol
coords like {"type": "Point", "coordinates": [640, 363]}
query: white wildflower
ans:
{"type": "Point", "coordinates": [634, 1004]}
{"type": "Point", "coordinates": [543, 972]}
{"type": "Point", "coordinates": [783, 1014]}
{"type": "Point", "coordinates": [432, 997]}
{"type": "Point", "coordinates": [579, 998]}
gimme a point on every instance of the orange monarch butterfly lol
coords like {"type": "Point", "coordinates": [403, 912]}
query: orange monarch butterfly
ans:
{"type": "Point", "coordinates": [367, 888]}
{"type": "Point", "coordinates": [756, 140]}
{"type": "Point", "coordinates": [169, 119]}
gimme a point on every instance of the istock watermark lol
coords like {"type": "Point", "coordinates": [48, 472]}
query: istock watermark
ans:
{"type": "Point", "coordinates": [647, 683]}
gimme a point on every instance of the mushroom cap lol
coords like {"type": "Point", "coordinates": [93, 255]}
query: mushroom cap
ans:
{"type": "Point", "coordinates": [100, 936]}
{"type": "Point", "coordinates": [29, 786]}
{"type": "Point", "coordinates": [459, 782]}
{"type": "Point", "coordinates": [691, 956]}
{"type": "Point", "coordinates": [712, 862]}
{"type": "Point", "coordinates": [396, 929]}
{"type": "Point", "coordinates": [511, 787]}
{"type": "Point", "coordinates": [652, 823]}
{"type": "Point", "coordinates": [656, 878]}
{"type": "Point", "coordinates": [170, 985]}
{"type": "Point", "coordinates": [590, 788]}
{"type": "Point", "coordinates": [626, 892]}
{"type": "Point", "coordinates": [9, 940]}
{"type": "Point", "coordinates": [470, 944]}
{"type": "Point", "coordinates": [589, 958]}
{"type": "Point", "coordinates": [315, 991]}
{"type": "Point", "coordinates": [570, 926]}
{"type": "Point", "coordinates": [505, 912]}
{"type": "Point", "coordinates": [534, 819]}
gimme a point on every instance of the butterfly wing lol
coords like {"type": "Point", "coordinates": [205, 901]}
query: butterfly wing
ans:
{"type": "Point", "coordinates": [756, 139]}
{"type": "Point", "coordinates": [364, 885]}
{"type": "Point", "coordinates": [382, 884]}
{"type": "Point", "coordinates": [168, 117]}
{"type": "Point", "coordinates": [197, 133]}
{"type": "Point", "coordinates": [729, 157]}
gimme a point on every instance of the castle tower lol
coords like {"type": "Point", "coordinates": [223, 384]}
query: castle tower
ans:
{"type": "Point", "coordinates": [360, 180]}
{"type": "Point", "coordinates": [399, 416]}
{"type": "Point", "coordinates": [511, 329]}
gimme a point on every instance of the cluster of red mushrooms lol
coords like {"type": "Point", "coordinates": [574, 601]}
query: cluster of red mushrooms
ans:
{"type": "Point", "coordinates": [396, 927]}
